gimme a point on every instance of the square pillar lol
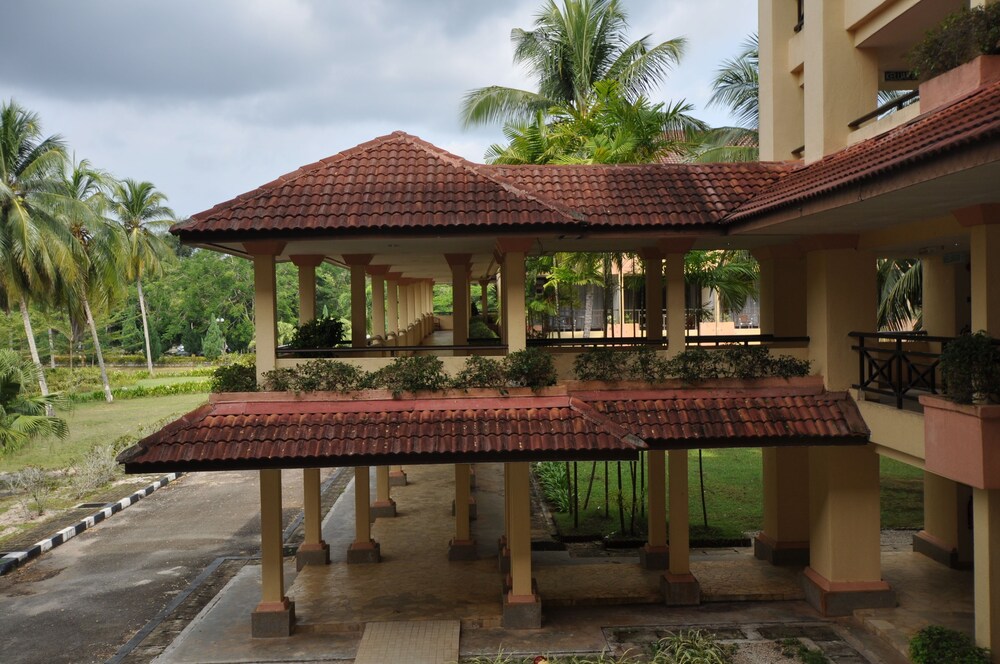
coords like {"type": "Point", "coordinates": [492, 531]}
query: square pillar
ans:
{"type": "Point", "coordinates": [462, 547]}
{"type": "Point", "coordinates": [363, 549]}
{"type": "Point", "coordinates": [784, 539]}
{"type": "Point", "coordinates": [313, 550]}
{"type": "Point", "coordinates": [392, 303]}
{"type": "Point", "coordinates": [384, 506]}
{"type": "Point", "coordinates": [275, 614]}
{"type": "Point", "coordinates": [265, 302]}
{"type": "Point", "coordinates": [404, 310]}
{"type": "Point", "coordinates": [652, 265]}
{"type": "Point", "coordinates": [781, 100]}
{"type": "Point", "coordinates": [844, 570]}
{"type": "Point", "coordinates": [522, 609]}
{"type": "Point", "coordinates": [307, 285]}
{"type": "Point", "coordinates": [511, 253]}
{"type": "Point", "coordinates": [459, 264]}
{"type": "Point", "coordinates": [986, 513]}
{"type": "Point", "coordinates": [484, 302]}
{"type": "Point", "coordinates": [655, 554]}
{"type": "Point", "coordinates": [359, 304]}
{"type": "Point", "coordinates": [679, 585]}
{"type": "Point", "coordinates": [983, 222]}
{"type": "Point", "coordinates": [377, 273]}
{"type": "Point", "coordinates": [676, 294]}
{"type": "Point", "coordinates": [946, 529]}
{"type": "Point", "coordinates": [782, 297]}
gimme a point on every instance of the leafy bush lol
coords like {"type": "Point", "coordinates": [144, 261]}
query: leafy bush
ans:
{"type": "Point", "coordinates": [692, 647]}
{"type": "Point", "coordinates": [745, 362]}
{"type": "Point", "coordinates": [318, 333]}
{"type": "Point", "coordinates": [30, 483]}
{"type": "Point", "coordinates": [238, 377]}
{"type": "Point", "coordinates": [139, 391]}
{"type": "Point", "coordinates": [409, 374]}
{"type": "Point", "coordinates": [970, 366]}
{"type": "Point", "coordinates": [609, 364]}
{"type": "Point", "coordinates": [936, 644]}
{"type": "Point", "coordinates": [97, 468]}
{"type": "Point", "coordinates": [478, 329]}
{"type": "Point", "coordinates": [555, 485]}
{"type": "Point", "coordinates": [532, 368]}
{"type": "Point", "coordinates": [961, 37]}
{"type": "Point", "coordinates": [315, 376]}
{"type": "Point", "coordinates": [481, 372]}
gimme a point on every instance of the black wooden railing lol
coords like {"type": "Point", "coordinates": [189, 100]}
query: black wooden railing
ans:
{"type": "Point", "coordinates": [388, 351]}
{"type": "Point", "coordinates": [744, 339]}
{"type": "Point", "coordinates": [892, 105]}
{"type": "Point", "coordinates": [899, 365]}
{"type": "Point", "coordinates": [595, 342]}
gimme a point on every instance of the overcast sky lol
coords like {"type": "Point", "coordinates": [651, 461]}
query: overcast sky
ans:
{"type": "Point", "coordinates": [211, 98]}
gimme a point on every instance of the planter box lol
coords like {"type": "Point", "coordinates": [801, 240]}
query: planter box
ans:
{"type": "Point", "coordinates": [958, 82]}
{"type": "Point", "coordinates": [962, 442]}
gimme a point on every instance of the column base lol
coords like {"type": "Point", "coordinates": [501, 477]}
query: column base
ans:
{"type": "Point", "coordinates": [780, 553]}
{"type": "Point", "coordinates": [383, 509]}
{"type": "Point", "coordinates": [397, 478]}
{"type": "Point", "coordinates": [473, 512]}
{"type": "Point", "coordinates": [521, 611]}
{"type": "Point", "coordinates": [680, 589]}
{"type": "Point", "coordinates": [314, 553]}
{"type": "Point", "coordinates": [364, 552]}
{"type": "Point", "coordinates": [938, 551]}
{"type": "Point", "coordinates": [273, 619]}
{"type": "Point", "coordinates": [654, 557]}
{"type": "Point", "coordinates": [462, 550]}
{"type": "Point", "coordinates": [841, 598]}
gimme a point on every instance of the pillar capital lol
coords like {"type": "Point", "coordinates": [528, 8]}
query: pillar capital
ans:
{"type": "Point", "coordinates": [825, 242]}
{"type": "Point", "coordinates": [514, 245]}
{"type": "Point", "coordinates": [307, 260]}
{"type": "Point", "coordinates": [675, 245]}
{"type": "Point", "coordinates": [379, 270]}
{"type": "Point", "coordinates": [458, 260]}
{"type": "Point", "coordinates": [651, 253]}
{"type": "Point", "coordinates": [978, 215]}
{"type": "Point", "coordinates": [264, 247]}
{"type": "Point", "coordinates": [777, 251]}
{"type": "Point", "coordinates": [393, 276]}
{"type": "Point", "coordinates": [355, 260]}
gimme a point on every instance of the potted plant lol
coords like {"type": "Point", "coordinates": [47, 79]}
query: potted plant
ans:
{"type": "Point", "coordinates": [962, 431]}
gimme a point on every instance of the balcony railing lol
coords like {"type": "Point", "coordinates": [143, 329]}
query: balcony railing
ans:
{"type": "Point", "coordinates": [890, 106]}
{"type": "Point", "coordinates": [744, 339]}
{"type": "Point", "coordinates": [898, 365]}
{"type": "Point", "coordinates": [596, 342]}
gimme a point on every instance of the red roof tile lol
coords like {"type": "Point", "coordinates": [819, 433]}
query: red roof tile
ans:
{"type": "Point", "coordinates": [968, 121]}
{"type": "Point", "coordinates": [687, 418]}
{"type": "Point", "coordinates": [325, 429]}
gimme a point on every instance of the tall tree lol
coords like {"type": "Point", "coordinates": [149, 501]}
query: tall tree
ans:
{"type": "Point", "coordinates": [142, 212]}
{"type": "Point", "coordinates": [35, 247]}
{"type": "Point", "coordinates": [736, 87]}
{"type": "Point", "coordinates": [574, 45]}
{"type": "Point", "coordinates": [101, 248]}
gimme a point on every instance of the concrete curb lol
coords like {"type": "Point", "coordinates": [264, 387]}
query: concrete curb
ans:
{"type": "Point", "coordinates": [15, 559]}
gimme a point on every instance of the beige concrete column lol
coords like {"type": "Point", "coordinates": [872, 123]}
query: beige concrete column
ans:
{"type": "Point", "coordinates": [392, 302]}
{"type": "Point", "coordinates": [307, 285]}
{"type": "Point", "coordinates": [781, 99]}
{"type": "Point", "coordinates": [986, 513]}
{"type": "Point", "coordinates": [840, 81]}
{"type": "Point", "coordinates": [484, 302]}
{"type": "Point", "coordinates": [842, 297]}
{"type": "Point", "coordinates": [679, 586]}
{"type": "Point", "coordinates": [652, 265]}
{"type": "Point", "coordinates": [275, 614]}
{"type": "Point", "coordinates": [462, 547]}
{"type": "Point", "coordinates": [782, 291]}
{"type": "Point", "coordinates": [377, 273]}
{"type": "Point", "coordinates": [522, 608]}
{"type": "Point", "coordinates": [674, 251]}
{"type": "Point", "coordinates": [784, 539]}
{"type": "Point", "coordinates": [459, 264]}
{"type": "Point", "coordinates": [404, 311]}
{"type": "Point", "coordinates": [938, 287]}
{"type": "Point", "coordinates": [512, 252]}
{"type": "Point", "coordinates": [983, 222]}
{"type": "Point", "coordinates": [384, 506]}
{"type": "Point", "coordinates": [359, 304]}
{"type": "Point", "coordinates": [654, 555]}
{"type": "Point", "coordinates": [265, 302]}
{"type": "Point", "coordinates": [844, 570]}
{"type": "Point", "coordinates": [363, 549]}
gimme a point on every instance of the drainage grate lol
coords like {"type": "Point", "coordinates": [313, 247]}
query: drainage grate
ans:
{"type": "Point", "coordinates": [90, 506]}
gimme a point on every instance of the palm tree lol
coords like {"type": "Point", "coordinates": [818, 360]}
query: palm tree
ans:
{"type": "Point", "coordinates": [731, 273]}
{"type": "Point", "coordinates": [736, 87]}
{"type": "Point", "coordinates": [23, 418]}
{"type": "Point", "coordinates": [900, 286]}
{"type": "Point", "coordinates": [101, 245]}
{"type": "Point", "coordinates": [35, 247]}
{"type": "Point", "coordinates": [142, 211]}
{"type": "Point", "coordinates": [572, 48]}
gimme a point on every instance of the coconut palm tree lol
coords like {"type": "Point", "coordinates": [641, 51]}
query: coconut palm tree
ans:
{"type": "Point", "coordinates": [35, 246]}
{"type": "Point", "coordinates": [736, 86]}
{"type": "Point", "coordinates": [570, 49]}
{"type": "Point", "coordinates": [101, 245]}
{"type": "Point", "coordinates": [22, 417]}
{"type": "Point", "coordinates": [142, 212]}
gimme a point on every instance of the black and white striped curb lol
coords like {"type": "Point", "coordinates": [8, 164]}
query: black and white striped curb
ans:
{"type": "Point", "coordinates": [13, 559]}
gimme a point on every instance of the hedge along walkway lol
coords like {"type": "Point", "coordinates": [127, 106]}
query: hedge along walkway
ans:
{"type": "Point", "coordinates": [15, 558]}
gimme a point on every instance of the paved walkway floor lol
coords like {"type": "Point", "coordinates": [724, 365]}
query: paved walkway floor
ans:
{"type": "Point", "coordinates": [414, 642]}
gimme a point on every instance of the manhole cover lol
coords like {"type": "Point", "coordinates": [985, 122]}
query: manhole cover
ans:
{"type": "Point", "coordinates": [90, 506]}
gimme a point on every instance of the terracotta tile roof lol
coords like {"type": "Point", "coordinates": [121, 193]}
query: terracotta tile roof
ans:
{"type": "Point", "coordinates": [968, 121]}
{"type": "Point", "coordinates": [649, 194]}
{"type": "Point", "coordinates": [325, 429]}
{"type": "Point", "coordinates": [391, 182]}
{"type": "Point", "coordinates": [688, 418]}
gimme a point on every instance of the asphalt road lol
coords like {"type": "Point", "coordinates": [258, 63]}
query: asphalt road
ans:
{"type": "Point", "coordinates": [83, 600]}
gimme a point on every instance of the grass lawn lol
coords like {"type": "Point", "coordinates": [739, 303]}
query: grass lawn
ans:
{"type": "Point", "coordinates": [98, 423]}
{"type": "Point", "coordinates": [171, 380]}
{"type": "Point", "coordinates": [732, 497]}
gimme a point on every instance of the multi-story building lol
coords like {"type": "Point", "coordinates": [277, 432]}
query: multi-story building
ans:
{"type": "Point", "coordinates": [841, 185]}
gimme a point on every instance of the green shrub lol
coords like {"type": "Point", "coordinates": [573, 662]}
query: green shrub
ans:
{"type": "Point", "coordinates": [409, 374]}
{"type": "Point", "coordinates": [237, 377]}
{"type": "Point", "coordinates": [318, 333]}
{"type": "Point", "coordinates": [970, 366]}
{"type": "Point", "coordinates": [214, 344]}
{"type": "Point", "coordinates": [532, 368]}
{"type": "Point", "coordinates": [481, 372]}
{"type": "Point", "coordinates": [555, 485]}
{"type": "Point", "coordinates": [478, 329]}
{"type": "Point", "coordinates": [936, 644]}
{"type": "Point", "coordinates": [315, 376]}
{"type": "Point", "coordinates": [692, 647]}
{"type": "Point", "coordinates": [744, 362]}
{"type": "Point", "coordinates": [961, 37]}
{"type": "Point", "coordinates": [609, 364]}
